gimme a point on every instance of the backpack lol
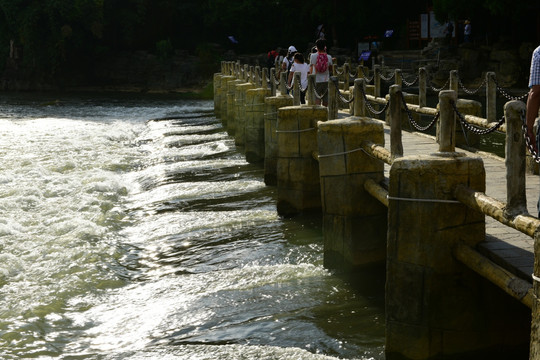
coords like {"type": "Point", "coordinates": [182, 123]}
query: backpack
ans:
{"type": "Point", "coordinates": [291, 62]}
{"type": "Point", "coordinates": [270, 61]}
{"type": "Point", "coordinates": [321, 65]}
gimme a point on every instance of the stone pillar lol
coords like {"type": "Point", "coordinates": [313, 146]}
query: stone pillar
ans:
{"type": "Point", "coordinates": [398, 77]}
{"type": "Point", "coordinates": [433, 306]}
{"type": "Point", "coordinates": [359, 101]}
{"type": "Point", "coordinates": [454, 84]}
{"type": "Point", "coordinates": [273, 82]}
{"type": "Point", "coordinates": [516, 200]}
{"type": "Point", "coordinates": [396, 146]}
{"type": "Point", "coordinates": [491, 97]}
{"type": "Point", "coordinates": [332, 98]}
{"type": "Point", "coordinates": [257, 76]}
{"type": "Point", "coordinates": [224, 88]}
{"type": "Point", "coordinates": [422, 87]}
{"type": "Point", "coordinates": [283, 83]}
{"type": "Point", "coordinates": [217, 94]}
{"type": "Point", "coordinates": [297, 171]}
{"type": "Point", "coordinates": [354, 222]}
{"type": "Point", "coordinates": [296, 89]}
{"type": "Point", "coordinates": [377, 80]}
{"type": "Point", "coordinates": [240, 113]}
{"type": "Point", "coordinates": [254, 128]}
{"type": "Point", "coordinates": [264, 79]}
{"type": "Point", "coordinates": [346, 74]}
{"type": "Point", "coordinates": [447, 122]}
{"type": "Point", "coordinates": [231, 105]}
{"type": "Point", "coordinates": [273, 103]}
{"type": "Point", "coordinates": [463, 136]}
{"type": "Point", "coordinates": [311, 90]}
{"type": "Point", "coordinates": [360, 72]}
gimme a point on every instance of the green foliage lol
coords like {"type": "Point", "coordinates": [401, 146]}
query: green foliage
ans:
{"type": "Point", "coordinates": [64, 35]}
{"type": "Point", "coordinates": [164, 49]}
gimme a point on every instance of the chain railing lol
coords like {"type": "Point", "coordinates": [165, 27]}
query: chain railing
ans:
{"type": "Point", "coordinates": [410, 83]}
{"type": "Point", "coordinates": [474, 129]}
{"type": "Point", "coordinates": [506, 94]}
{"type": "Point", "coordinates": [370, 108]}
{"type": "Point", "coordinates": [411, 117]}
{"type": "Point", "coordinates": [528, 142]}
{"type": "Point", "coordinates": [471, 92]}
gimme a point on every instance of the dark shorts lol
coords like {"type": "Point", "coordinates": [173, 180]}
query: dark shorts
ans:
{"type": "Point", "coordinates": [322, 88]}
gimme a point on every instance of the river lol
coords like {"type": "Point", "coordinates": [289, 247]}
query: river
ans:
{"type": "Point", "coordinates": [123, 238]}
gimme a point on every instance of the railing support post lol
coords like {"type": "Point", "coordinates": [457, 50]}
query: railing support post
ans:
{"type": "Point", "coordinates": [245, 74]}
{"type": "Point", "coordinates": [422, 87]}
{"type": "Point", "coordinates": [491, 97]}
{"type": "Point", "coordinates": [296, 89]}
{"type": "Point", "coordinates": [359, 101]}
{"type": "Point", "coordinates": [333, 89]}
{"type": "Point", "coordinates": [447, 123]}
{"type": "Point", "coordinates": [257, 77]}
{"type": "Point", "coordinates": [311, 89]}
{"type": "Point", "coordinates": [283, 83]}
{"type": "Point", "coordinates": [398, 77]}
{"type": "Point", "coordinates": [346, 72]}
{"type": "Point", "coordinates": [273, 82]}
{"type": "Point", "coordinates": [516, 201]}
{"type": "Point", "coordinates": [377, 80]}
{"type": "Point", "coordinates": [454, 84]}
{"type": "Point", "coordinates": [360, 72]}
{"type": "Point", "coordinates": [264, 80]}
{"type": "Point", "coordinates": [396, 146]}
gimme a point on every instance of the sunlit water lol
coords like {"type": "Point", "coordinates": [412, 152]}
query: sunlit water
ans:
{"type": "Point", "coordinates": [127, 239]}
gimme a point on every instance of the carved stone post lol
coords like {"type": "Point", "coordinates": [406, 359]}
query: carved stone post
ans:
{"type": "Point", "coordinates": [516, 201]}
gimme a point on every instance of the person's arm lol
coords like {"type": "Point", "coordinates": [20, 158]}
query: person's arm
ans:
{"type": "Point", "coordinates": [533, 104]}
{"type": "Point", "coordinates": [291, 73]}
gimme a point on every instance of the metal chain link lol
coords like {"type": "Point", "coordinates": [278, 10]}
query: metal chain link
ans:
{"type": "Point", "coordinates": [506, 94]}
{"type": "Point", "coordinates": [370, 108]}
{"type": "Point", "coordinates": [437, 90]}
{"type": "Point", "coordinates": [388, 78]}
{"type": "Point", "coordinates": [352, 76]}
{"type": "Point", "coordinates": [368, 80]}
{"type": "Point", "coordinates": [407, 83]}
{"type": "Point", "coordinates": [340, 95]}
{"type": "Point", "coordinates": [411, 119]}
{"type": "Point", "coordinates": [528, 142]}
{"type": "Point", "coordinates": [317, 94]}
{"type": "Point", "coordinates": [473, 128]}
{"type": "Point", "coordinates": [471, 92]}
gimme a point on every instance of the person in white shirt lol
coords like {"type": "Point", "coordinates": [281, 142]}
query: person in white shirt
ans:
{"type": "Point", "coordinates": [288, 59]}
{"type": "Point", "coordinates": [300, 66]}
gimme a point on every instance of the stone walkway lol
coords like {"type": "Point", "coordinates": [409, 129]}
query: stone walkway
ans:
{"type": "Point", "coordinates": [505, 246]}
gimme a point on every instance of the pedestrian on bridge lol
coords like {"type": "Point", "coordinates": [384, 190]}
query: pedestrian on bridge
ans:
{"type": "Point", "coordinates": [319, 63]}
{"type": "Point", "coordinates": [533, 103]}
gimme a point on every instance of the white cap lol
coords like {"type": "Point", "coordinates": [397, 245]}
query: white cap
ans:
{"type": "Point", "coordinates": [292, 49]}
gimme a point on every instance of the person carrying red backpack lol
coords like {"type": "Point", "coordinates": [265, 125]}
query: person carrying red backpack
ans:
{"type": "Point", "coordinates": [319, 64]}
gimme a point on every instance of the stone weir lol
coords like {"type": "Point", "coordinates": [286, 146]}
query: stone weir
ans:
{"type": "Point", "coordinates": [453, 288]}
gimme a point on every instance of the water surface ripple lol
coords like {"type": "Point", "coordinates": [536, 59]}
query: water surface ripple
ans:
{"type": "Point", "coordinates": [123, 238]}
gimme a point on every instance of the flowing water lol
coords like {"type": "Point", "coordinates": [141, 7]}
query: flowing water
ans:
{"type": "Point", "coordinates": [122, 238]}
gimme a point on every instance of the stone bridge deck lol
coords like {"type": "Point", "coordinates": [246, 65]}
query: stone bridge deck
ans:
{"type": "Point", "coordinates": [505, 246]}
